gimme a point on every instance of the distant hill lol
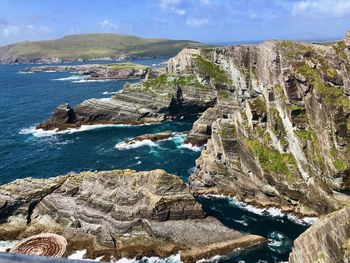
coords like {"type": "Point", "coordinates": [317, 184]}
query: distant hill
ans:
{"type": "Point", "coordinates": [91, 46]}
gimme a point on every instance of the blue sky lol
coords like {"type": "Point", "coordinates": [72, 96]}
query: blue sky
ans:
{"type": "Point", "coordinates": [210, 21]}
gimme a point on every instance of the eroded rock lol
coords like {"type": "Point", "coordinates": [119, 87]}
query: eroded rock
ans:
{"type": "Point", "coordinates": [123, 213]}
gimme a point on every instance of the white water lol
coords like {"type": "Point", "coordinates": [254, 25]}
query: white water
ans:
{"type": "Point", "coordinates": [42, 133]}
{"type": "Point", "coordinates": [73, 78]}
{"type": "Point", "coordinates": [92, 80]}
{"type": "Point", "coordinates": [271, 211]}
{"type": "Point", "coordinates": [79, 254]}
{"type": "Point", "coordinates": [4, 245]}
{"type": "Point", "coordinates": [133, 145]}
{"type": "Point", "coordinates": [178, 139]}
{"type": "Point", "coordinates": [108, 92]}
{"type": "Point", "coordinates": [171, 259]}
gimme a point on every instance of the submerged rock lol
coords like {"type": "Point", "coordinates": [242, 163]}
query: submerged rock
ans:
{"type": "Point", "coordinates": [120, 213]}
{"type": "Point", "coordinates": [152, 137]}
{"type": "Point", "coordinates": [327, 241]}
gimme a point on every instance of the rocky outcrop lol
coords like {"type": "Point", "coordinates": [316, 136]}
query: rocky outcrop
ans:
{"type": "Point", "coordinates": [153, 100]}
{"type": "Point", "coordinates": [276, 116]}
{"type": "Point", "coordinates": [286, 142]}
{"type": "Point", "coordinates": [327, 241]}
{"type": "Point", "coordinates": [151, 137]}
{"type": "Point", "coordinates": [98, 71]}
{"type": "Point", "coordinates": [120, 213]}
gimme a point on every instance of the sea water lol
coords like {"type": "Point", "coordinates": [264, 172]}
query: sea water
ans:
{"type": "Point", "coordinates": [27, 99]}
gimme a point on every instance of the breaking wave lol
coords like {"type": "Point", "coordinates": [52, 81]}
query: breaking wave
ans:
{"type": "Point", "coordinates": [42, 133]}
{"type": "Point", "coordinates": [73, 78]}
{"type": "Point", "coordinates": [127, 146]}
{"type": "Point", "coordinates": [271, 211]}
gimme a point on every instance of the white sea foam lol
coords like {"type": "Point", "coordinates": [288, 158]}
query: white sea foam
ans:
{"type": "Point", "coordinates": [171, 259]}
{"type": "Point", "coordinates": [42, 133]}
{"type": "Point", "coordinates": [179, 140]}
{"type": "Point", "coordinates": [191, 147]}
{"type": "Point", "coordinates": [92, 80]}
{"type": "Point", "coordinates": [4, 245]}
{"type": "Point", "coordinates": [271, 211]}
{"type": "Point", "coordinates": [73, 78]}
{"type": "Point", "coordinates": [79, 254]}
{"type": "Point", "coordinates": [108, 92]}
{"type": "Point", "coordinates": [137, 144]}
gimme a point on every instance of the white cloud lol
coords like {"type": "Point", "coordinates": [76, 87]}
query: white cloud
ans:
{"type": "Point", "coordinates": [172, 6]}
{"type": "Point", "coordinates": [196, 22]}
{"type": "Point", "coordinates": [178, 11]}
{"type": "Point", "coordinates": [38, 29]}
{"type": "Point", "coordinates": [106, 25]}
{"type": "Point", "coordinates": [324, 8]}
{"type": "Point", "coordinates": [10, 30]}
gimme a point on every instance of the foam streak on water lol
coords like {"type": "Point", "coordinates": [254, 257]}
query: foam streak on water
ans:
{"type": "Point", "coordinates": [271, 211]}
{"type": "Point", "coordinates": [45, 133]}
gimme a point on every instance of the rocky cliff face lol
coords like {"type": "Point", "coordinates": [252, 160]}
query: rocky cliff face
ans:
{"type": "Point", "coordinates": [276, 116]}
{"type": "Point", "coordinates": [123, 213]}
{"type": "Point", "coordinates": [327, 241]}
{"type": "Point", "coordinates": [281, 135]}
{"type": "Point", "coordinates": [154, 100]}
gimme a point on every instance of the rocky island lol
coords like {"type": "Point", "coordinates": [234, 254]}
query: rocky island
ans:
{"type": "Point", "coordinates": [120, 213]}
{"type": "Point", "coordinates": [116, 71]}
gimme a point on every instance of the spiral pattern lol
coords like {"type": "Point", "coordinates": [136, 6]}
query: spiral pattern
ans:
{"type": "Point", "coordinates": [50, 245]}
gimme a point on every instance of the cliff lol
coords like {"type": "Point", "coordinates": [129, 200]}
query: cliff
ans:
{"type": "Point", "coordinates": [281, 135]}
{"type": "Point", "coordinates": [120, 213]}
{"type": "Point", "coordinates": [327, 241]}
{"type": "Point", "coordinates": [276, 116]}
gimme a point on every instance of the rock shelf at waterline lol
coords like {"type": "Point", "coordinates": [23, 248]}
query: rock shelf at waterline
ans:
{"type": "Point", "coordinates": [152, 206]}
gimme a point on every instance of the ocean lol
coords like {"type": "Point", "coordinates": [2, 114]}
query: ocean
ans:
{"type": "Point", "coordinates": [27, 99]}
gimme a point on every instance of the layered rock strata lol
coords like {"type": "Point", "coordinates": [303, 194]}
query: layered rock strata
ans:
{"type": "Point", "coordinates": [153, 100]}
{"type": "Point", "coordinates": [287, 143]}
{"type": "Point", "coordinates": [121, 213]}
{"type": "Point", "coordinates": [327, 241]}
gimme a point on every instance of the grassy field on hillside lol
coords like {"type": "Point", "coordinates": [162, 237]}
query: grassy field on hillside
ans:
{"type": "Point", "coordinates": [99, 45]}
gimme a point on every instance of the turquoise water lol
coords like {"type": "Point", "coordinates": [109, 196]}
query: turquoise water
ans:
{"type": "Point", "coordinates": [27, 99]}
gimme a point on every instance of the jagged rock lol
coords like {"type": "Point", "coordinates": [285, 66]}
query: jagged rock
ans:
{"type": "Point", "coordinates": [123, 213]}
{"type": "Point", "coordinates": [98, 71]}
{"type": "Point", "coordinates": [327, 241]}
{"type": "Point", "coordinates": [152, 137]}
{"type": "Point", "coordinates": [285, 144]}
{"type": "Point", "coordinates": [138, 104]}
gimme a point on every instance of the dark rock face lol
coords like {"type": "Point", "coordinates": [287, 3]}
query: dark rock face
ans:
{"type": "Point", "coordinates": [328, 240]}
{"type": "Point", "coordinates": [138, 104]}
{"type": "Point", "coordinates": [123, 213]}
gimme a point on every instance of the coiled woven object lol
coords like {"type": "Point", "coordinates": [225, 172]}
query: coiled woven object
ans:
{"type": "Point", "coordinates": [46, 244]}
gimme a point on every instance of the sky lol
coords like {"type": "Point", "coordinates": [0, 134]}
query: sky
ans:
{"type": "Point", "coordinates": [208, 21]}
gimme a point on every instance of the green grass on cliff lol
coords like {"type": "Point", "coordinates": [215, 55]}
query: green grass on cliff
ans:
{"type": "Point", "coordinates": [207, 68]}
{"type": "Point", "coordinates": [100, 45]}
{"type": "Point", "coordinates": [271, 160]}
{"type": "Point", "coordinates": [165, 81]}
{"type": "Point", "coordinates": [333, 95]}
